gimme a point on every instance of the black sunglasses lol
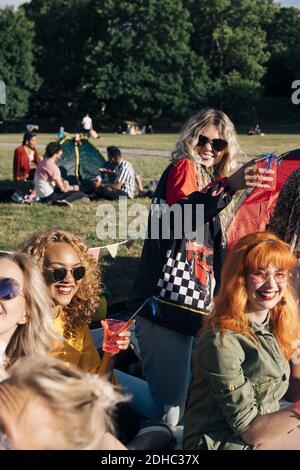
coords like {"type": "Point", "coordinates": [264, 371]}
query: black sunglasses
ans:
{"type": "Point", "coordinates": [59, 274]}
{"type": "Point", "coordinates": [217, 144]}
{"type": "Point", "coordinates": [9, 288]}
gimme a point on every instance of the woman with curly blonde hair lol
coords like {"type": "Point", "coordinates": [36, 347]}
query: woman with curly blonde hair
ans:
{"type": "Point", "coordinates": [241, 367]}
{"type": "Point", "coordinates": [182, 267]}
{"type": "Point", "coordinates": [25, 310]}
{"type": "Point", "coordinates": [73, 280]}
{"type": "Point", "coordinates": [47, 405]}
{"type": "Point", "coordinates": [191, 139]}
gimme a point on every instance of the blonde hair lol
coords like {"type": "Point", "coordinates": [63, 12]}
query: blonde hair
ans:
{"type": "Point", "coordinates": [81, 404]}
{"type": "Point", "coordinates": [257, 250]}
{"type": "Point", "coordinates": [84, 303]}
{"type": "Point", "coordinates": [185, 147]}
{"type": "Point", "coordinates": [35, 337]}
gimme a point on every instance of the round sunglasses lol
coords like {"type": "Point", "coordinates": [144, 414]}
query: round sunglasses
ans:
{"type": "Point", "coordinates": [217, 144]}
{"type": "Point", "coordinates": [9, 288]}
{"type": "Point", "coordinates": [59, 274]}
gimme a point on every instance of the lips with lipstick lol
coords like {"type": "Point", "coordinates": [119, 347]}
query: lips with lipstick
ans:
{"type": "Point", "coordinates": [63, 290]}
{"type": "Point", "coordinates": [266, 295]}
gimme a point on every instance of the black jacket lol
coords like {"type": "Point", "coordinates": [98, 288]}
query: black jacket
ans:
{"type": "Point", "coordinates": [179, 270]}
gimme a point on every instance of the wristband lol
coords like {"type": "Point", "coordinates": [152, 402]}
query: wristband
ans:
{"type": "Point", "coordinates": [297, 407]}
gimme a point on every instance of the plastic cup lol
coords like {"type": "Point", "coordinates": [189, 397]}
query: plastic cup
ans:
{"type": "Point", "coordinates": [112, 328]}
{"type": "Point", "coordinates": [273, 166]}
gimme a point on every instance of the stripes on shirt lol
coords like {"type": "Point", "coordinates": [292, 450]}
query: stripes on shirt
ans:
{"type": "Point", "coordinates": [125, 174]}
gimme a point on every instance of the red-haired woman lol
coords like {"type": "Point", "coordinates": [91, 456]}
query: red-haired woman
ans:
{"type": "Point", "coordinates": [241, 367]}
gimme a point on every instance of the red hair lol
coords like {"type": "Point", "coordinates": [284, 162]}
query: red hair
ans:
{"type": "Point", "coordinates": [256, 251]}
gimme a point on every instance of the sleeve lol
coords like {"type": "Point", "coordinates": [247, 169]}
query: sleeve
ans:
{"type": "Point", "coordinates": [56, 173]}
{"type": "Point", "coordinates": [181, 181]}
{"type": "Point", "coordinates": [220, 360]}
{"type": "Point", "coordinates": [286, 199]}
{"type": "Point", "coordinates": [20, 168]}
{"type": "Point", "coordinates": [214, 197]}
{"type": "Point", "coordinates": [89, 358]}
{"type": "Point", "coordinates": [123, 176]}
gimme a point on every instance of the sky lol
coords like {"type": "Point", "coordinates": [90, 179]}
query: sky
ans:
{"type": "Point", "coordinates": [286, 3]}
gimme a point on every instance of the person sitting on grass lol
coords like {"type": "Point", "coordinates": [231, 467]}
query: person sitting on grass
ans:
{"type": "Point", "coordinates": [124, 183]}
{"type": "Point", "coordinates": [26, 158]}
{"type": "Point", "coordinates": [49, 185]}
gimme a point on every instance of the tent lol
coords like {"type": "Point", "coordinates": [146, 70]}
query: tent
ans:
{"type": "Point", "coordinates": [80, 161]}
{"type": "Point", "coordinates": [256, 206]}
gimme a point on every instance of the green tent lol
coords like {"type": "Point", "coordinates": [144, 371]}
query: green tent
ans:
{"type": "Point", "coordinates": [80, 161]}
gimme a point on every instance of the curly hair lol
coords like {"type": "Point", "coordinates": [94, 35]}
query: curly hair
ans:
{"type": "Point", "coordinates": [257, 250]}
{"type": "Point", "coordinates": [80, 404]}
{"type": "Point", "coordinates": [35, 337]}
{"type": "Point", "coordinates": [86, 299]}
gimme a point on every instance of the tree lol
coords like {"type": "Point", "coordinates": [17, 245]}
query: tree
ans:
{"type": "Point", "coordinates": [126, 59]}
{"type": "Point", "coordinates": [283, 35]}
{"type": "Point", "coordinates": [141, 64]}
{"type": "Point", "coordinates": [63, 30]}
{"type": "Point", "coordinates": [16, 62]}
{"type": "Point", "coordinates": [228, 34]}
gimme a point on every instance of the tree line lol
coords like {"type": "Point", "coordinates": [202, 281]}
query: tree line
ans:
{"type": "Point", "coordinates": [146, 59]}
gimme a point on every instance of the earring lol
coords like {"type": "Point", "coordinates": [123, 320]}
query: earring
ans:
{"type": "Point", "coordinates": [283, 302]}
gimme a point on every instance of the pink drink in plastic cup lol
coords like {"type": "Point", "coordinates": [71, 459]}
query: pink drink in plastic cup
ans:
{"type": "Point", "coordinates": [273, 166]}
{"type": "Point", "coordinates": [112, 328]}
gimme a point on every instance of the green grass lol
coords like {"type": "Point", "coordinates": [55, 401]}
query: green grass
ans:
{"type": "Point", "coordinates": [250, 144]}
{"type": "Point", "coordinates": [17, 222]}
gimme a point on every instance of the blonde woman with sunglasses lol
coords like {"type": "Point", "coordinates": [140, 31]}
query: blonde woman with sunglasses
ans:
{"type": "Point", "coordinates": [25, 310]}
{"type": "Point", "coordinates": [180, 269]}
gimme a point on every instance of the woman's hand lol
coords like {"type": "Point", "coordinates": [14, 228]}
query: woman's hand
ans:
{"type": "Point", "coordinates": [123, 339]}
{"type": "Point", "coordinates": [249, 176]}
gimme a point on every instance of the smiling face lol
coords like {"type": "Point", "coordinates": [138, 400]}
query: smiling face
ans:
{"type": "Point", "coordinates": [62, 255]}
{"type": "Point", "coordinates": [265, 288]}
{"type": "Point", "coordinates": [12, 312]}
{"type": "Point", "coordinates": [208, 156]}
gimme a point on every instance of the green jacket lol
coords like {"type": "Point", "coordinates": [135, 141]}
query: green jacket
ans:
{"type": "Point", "coordinates": [234, 380]}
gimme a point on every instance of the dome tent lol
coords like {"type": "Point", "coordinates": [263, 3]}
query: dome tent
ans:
{"type": "Point", "coordinates": [80, 161]}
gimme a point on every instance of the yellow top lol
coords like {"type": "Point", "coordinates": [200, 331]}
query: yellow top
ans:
{"type": "Point", "coordinates": [79, 350]}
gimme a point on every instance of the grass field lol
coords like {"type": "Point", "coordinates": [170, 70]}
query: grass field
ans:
{"type": "Point", "coordinates": [17, 222]}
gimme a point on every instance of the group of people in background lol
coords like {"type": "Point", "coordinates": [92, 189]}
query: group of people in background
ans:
{"type": "Point", "coordinates": [217, 331]}
{"type": "Point", "coordinates": [47, 185]}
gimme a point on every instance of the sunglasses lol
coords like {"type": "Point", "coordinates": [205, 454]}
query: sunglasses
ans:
{"type": "Point", "coordinates": [59, 274]}
{"type": "Point", "coordinates": [217, 144]}
{"type": "Point", "coordinates": [9, 288]}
